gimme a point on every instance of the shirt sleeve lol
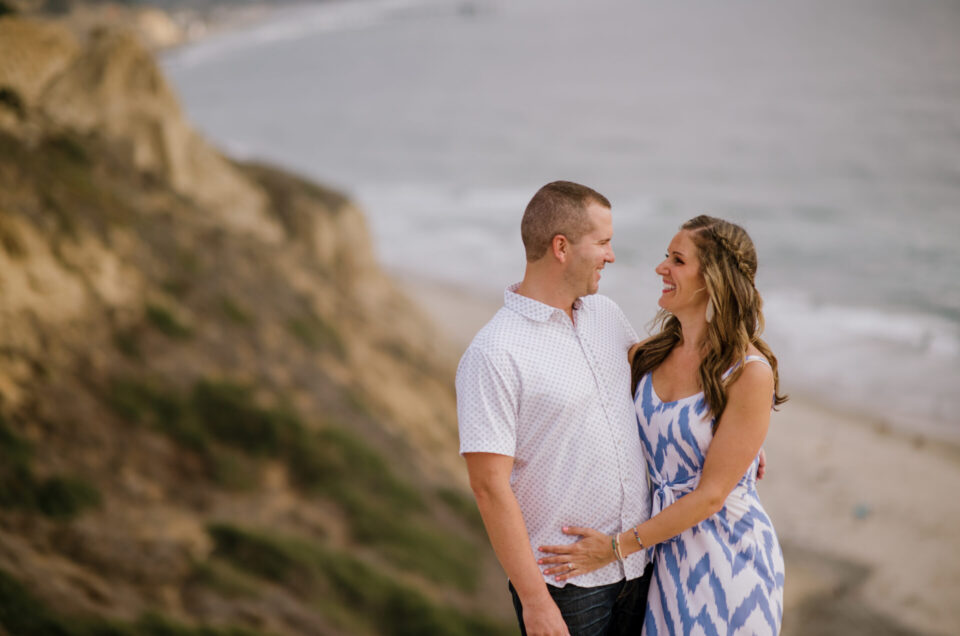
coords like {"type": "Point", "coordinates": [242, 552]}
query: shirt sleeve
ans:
{"type": "Point", "coordinates": [486, 406]}
{"type": "Point", "coordinates": [628, 333]}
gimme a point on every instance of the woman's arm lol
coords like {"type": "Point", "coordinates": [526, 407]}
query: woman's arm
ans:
{"type": "Point", "coordinates": [739, 435]}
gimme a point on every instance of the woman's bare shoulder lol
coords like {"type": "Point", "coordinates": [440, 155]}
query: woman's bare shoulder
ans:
{"type": "Point", "coordinates": [753, 377]}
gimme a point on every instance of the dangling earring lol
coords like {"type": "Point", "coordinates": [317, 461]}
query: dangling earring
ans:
{"type": "Point", "coordinates": [709, 313]}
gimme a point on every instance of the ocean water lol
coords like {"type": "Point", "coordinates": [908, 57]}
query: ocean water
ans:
{"type": "Point", "coordinates": [829, 129]}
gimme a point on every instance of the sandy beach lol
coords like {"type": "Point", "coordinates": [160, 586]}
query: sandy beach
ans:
{"type": "Point", "coordinates": [867, 516]}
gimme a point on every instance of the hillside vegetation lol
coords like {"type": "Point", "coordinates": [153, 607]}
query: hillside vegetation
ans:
{"type": "Point", "coordinates": [217, 415]}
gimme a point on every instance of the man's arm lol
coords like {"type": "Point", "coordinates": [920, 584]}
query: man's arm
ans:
{"type": "Point", "coordinates": [490, 481]}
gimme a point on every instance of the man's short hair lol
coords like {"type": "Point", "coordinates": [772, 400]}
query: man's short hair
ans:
{"type": "Point", "coordinates": [557, 208]}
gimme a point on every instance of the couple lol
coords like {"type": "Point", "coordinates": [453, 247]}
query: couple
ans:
{"type": "Point", "coordinates": [551, 394]}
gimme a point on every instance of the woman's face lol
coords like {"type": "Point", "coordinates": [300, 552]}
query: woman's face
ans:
{"type": "Point", "coordinates": [684, 288]}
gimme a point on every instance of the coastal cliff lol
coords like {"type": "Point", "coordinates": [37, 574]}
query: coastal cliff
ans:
{"type": "Point", "coordinates": [215, 408]}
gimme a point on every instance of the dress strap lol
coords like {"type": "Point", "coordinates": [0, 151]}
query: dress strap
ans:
{"type": "Point", "coordinates": [749, 359]}
{"type": "Point", "coordinates": [758, 359]}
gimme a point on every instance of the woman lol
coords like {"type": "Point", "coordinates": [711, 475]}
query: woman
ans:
{"type": "Point", "coordinates": [703, 388]}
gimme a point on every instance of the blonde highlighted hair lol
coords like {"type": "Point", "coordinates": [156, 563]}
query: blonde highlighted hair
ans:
{"type": "Point", "coordinates": [728, 262]}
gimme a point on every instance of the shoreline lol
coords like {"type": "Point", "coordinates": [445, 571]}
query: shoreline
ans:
{"type": "Point", "coordinates": [164, 29]}
{"type": "Point", "coordinates": [864, 512]}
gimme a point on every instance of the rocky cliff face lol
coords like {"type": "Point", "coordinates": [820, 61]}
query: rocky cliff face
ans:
{"type": "Point", "coordinates": [214, 407]}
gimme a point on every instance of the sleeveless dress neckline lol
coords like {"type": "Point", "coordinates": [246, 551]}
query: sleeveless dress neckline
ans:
{"type": "Point", "coordinates": [653, 390]}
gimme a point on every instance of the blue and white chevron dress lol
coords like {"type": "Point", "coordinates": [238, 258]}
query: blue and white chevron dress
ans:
{"type": "Point", "coordinates": [724, 575]}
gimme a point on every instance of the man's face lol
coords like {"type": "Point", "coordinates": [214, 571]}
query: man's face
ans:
{"type": "Point", "coordinates": [591, 253]}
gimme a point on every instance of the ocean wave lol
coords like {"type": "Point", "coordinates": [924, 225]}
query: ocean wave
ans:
{"type": "Point", "coordinates": [297, 23]}
{"type": "Point", "coordinates": [902, 368]}
{"type": "Point", "coordinates": [456, 204]}
{"type": "Point", "coordinates": [923, 334]}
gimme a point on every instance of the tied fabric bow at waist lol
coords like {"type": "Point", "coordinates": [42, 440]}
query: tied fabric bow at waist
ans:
{"type": "Point", "coordinates": [666, 493]}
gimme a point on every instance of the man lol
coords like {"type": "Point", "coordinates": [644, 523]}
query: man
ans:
{"type": "Point", "coordinates": [547, 425]}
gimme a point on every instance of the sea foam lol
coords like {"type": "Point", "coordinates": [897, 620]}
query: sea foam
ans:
{"type": "Point", "coordinates": [296, 23]}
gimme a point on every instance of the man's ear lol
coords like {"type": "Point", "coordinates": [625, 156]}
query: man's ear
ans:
{"type": "Point", "coordinates": [560, 247]}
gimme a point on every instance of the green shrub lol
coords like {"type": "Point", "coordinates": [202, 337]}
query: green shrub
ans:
{"type": "Point", "coordinates": [234, 311]}
{"type": "Point", "coordinates": [401, 351]}
{"type": "Point", "coordinates": [8, 96]}
{"type": "Point", "coordinates": [153, 624]}
{"type": "Point", "coordinates": [17, 487]}
{"type": "Point", "coordinates": [166, 323]}
{"type": "Point", "coordinates": [13, 449]}
{"type": "Point", "coordinates": [74, 192]}
{"type": "Point", "coordinates": [228, 412]}
{"type": "Point", "coordinates": [58, 496]}
{"type": "Point", "coordinates": [357, 400]}
{"type": "Point", "coordinates": [68, 148]}
{"type": "Point", "coordinates": [396, 609]}
{"type": "Point", "coordinates": [220, 411]}
{"type": "Point", "coordinates": [127, 343]}
{"type": "Point", "coordinates": [317, 334]}
{"type": "Point", "coordinates": [336, 461]}
{"type": "Point", "coordinates": [284, 562]}
{"type": "Point", "coordinates": [65, 497]}
{"type": "Point", "coordinates": [382, 510]}
{"type": "Point", "coordinates": [334, 577]}
{"type": "Point", "coordinates": [232, 470]}
{"type": "Point", "coordinates": [131, 400]}
{"type": "Point", "coordinates": [149, 404]}
{"type": "Point", "coordinates": [223, 578]}
{"type": "Point", "coordinates": [177, 286]}
{"type": "Point", "coordinates": [412, 544]}
{"type": "Point", "coordinates": [21, 614]}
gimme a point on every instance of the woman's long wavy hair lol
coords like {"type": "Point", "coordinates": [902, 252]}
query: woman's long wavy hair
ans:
{"type": "Point", "coordinates": [728, 261]}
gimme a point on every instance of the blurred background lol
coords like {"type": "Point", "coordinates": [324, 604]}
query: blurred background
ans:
{"type": "Point", "coordinates": [173, 199]}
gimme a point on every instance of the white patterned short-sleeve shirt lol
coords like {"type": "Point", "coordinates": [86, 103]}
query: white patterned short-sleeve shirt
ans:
{"type": "Point", "coordinates": [555, 395]}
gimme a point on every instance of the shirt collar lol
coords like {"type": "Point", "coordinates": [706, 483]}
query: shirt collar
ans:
{"type": "Point", "coordinates": [533, 309]}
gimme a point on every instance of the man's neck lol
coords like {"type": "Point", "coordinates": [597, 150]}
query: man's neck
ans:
{"type": "Point", "coordinates": [548, 290]}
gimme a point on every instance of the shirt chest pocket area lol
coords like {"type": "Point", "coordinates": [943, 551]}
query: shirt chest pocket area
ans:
{"type": "Point", "coordinates": [558, 401]}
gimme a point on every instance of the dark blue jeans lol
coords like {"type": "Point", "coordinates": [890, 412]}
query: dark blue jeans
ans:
{"type": "Point", "coordinates": [617, 609]}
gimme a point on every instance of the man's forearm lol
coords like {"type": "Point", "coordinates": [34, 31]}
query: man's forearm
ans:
{"type": "Point", "coordinates": [511, 542]}
{"type": "Point", "coordinates": [490, 481]}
